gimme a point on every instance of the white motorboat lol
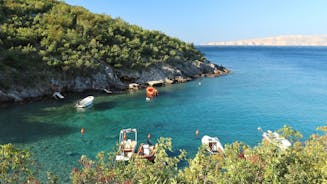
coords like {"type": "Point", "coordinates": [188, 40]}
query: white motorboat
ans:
{"type": "Point", "coordinates": [107, 91]}
{"type": "Point", "coordinates": [127, 144]}
{"type": "Point", "coordinates": [88, 101]}
{"type": "Point", "coordinates": [58, 95]}
{"type": "Point", "coordinates": [213, 144]}
{"type": "Point", "coordinates": [275, 139]}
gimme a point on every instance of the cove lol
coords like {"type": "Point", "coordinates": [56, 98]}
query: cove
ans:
{"type": "Point", "coordinates": [267, 87]}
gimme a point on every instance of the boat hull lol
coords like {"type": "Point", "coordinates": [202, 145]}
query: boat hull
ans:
{"type": "Point", "coordinates": [213, 144]}
{"type": "Point", "coordinates": [88, 101]}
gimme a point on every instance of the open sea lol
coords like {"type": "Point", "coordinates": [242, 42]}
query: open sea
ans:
{"type": "Point", "coordinates": [268, 87]}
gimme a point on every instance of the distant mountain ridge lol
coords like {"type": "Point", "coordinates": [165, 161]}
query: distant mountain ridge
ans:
{"type": "Point", "coordinates": [290, 40]}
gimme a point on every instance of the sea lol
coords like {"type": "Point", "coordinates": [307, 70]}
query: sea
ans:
{"type": "Point", "coordinates": [268, 87]}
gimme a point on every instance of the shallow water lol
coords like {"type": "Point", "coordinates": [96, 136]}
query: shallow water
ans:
{"type": "Point", "coordinates": [268, 87]}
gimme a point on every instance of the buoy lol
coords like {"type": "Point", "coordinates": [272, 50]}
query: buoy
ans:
{"type": "Point", "coordinates": [82, 131]}
{"type": "Point", "coordinates": [149, 136]}
{"type": "Point", "coordinates": [197, 132]}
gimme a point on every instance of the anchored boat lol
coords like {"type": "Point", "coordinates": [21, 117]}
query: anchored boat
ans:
{"type": "Point", "coordinates": [213, 144]}
{"type": "Point", "coordinates": [127, 144]}
{"type": "Point", "coordinates": [151, 92]}
{"type": "Point", "coordinates": [86, 102]}
{"type": "Point", "coordinates": [275, 139]}
{"type": "Point", "coordinates": [58, 95]}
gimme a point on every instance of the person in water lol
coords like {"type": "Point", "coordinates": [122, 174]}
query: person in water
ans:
{"type": "Point", "coordinates": [148, 140]}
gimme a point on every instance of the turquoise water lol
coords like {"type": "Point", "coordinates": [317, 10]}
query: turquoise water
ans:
{"type": "Point", "coordinates": [268, 87]}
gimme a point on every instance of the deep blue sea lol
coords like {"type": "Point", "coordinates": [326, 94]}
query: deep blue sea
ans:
{"type": "Point", "coordinates": [268, 87]}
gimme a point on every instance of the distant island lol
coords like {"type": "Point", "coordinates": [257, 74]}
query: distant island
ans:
{"type": "Point", "coordinates": [291, 40]}
{"type": "Point", "coordinates": [49, 46]}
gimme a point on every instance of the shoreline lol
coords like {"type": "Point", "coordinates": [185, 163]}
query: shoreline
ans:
{"type": "Point", "coordinates": [140, 86]}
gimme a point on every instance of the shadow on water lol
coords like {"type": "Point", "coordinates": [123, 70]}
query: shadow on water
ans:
{"type": "Point", "coordinates": [23, 132]}
{"type": "Point", "coordinates": [158, 125]}
{"type": "Point", "coordinates": [32, 122]}
{"type": "Point", "coordinates": [102, 106]}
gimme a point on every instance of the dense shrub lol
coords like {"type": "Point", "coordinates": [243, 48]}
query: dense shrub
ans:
{"type": "Point", "coordinates": [70, 38]}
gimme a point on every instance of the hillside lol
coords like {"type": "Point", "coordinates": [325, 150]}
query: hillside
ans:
{"type": "Point", "coordinates": [292, 40]}
{"type": "Point", "coordinates": [49, 45]}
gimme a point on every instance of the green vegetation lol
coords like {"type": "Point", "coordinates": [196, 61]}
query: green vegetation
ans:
{"type": "Point", "coordinates": [16, 166]}
{"type": "Point", "coordinates": [304, 162]}
{"type": "Point", "coordinates": [54, 35]}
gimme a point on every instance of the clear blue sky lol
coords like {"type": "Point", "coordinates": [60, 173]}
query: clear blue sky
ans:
{"type": "Point", "coordinates": [201, 21]}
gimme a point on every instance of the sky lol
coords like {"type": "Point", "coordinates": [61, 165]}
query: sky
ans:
{"type": "Point", "coordinates": [202, 21]}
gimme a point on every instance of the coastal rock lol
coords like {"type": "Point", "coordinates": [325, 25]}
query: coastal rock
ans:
{"type": "Point", "coordinates": [15, 96]}
{"type": "Point", "coordinates": [133, 86]}
{"type": "Point", "coordinates": [183, 70]}
{"type": "Point", "coordinates": [156, 83]}
{"type": "Point", "coordinates": [116, 79]}
{"type": "Point", "coordinates": [4, 97]}
{"type": "Point", "coordinates": [168, 81]}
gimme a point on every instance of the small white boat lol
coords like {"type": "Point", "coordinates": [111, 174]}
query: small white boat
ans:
{"type": "Point", "coordinates": [58, 95]}
{"type": "Point", "coordinates": [107, 91]}
{"type": "Point", "coordinates": [127, 144]}
{"type": "Point", "coordinates": [85, 102]}
{"type": "Point", "coordinates": [275, 139]}
{"type": "Point", "coordinates": [213, 144]}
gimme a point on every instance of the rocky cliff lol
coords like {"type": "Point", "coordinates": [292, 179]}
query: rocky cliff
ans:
{"type": "Point", "coordinates": [113, 79]}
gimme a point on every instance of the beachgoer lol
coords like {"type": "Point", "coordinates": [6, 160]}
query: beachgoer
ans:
{"type": "Point", "coordinates": [148, 140]}
{"type": "Point", "coordinates": [197, 132]}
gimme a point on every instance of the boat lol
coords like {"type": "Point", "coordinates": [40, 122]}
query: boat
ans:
{"type": "Point", "coordinates": [151, 92]}
{"type": "Point", "coordinates": [213, 144]}
{"type": "Point", "coordinates": [107, 91]}
{"type": "Point", "coordinates": [86, 102]}
{"type": "Point", "coordinates": [58, 95]}
{"type": "Point", "coordinates": [127, 144]}
{"type": "Point", "coordinates": [147, 151]}
{"type": "Point", "coordinates": [275, 139]}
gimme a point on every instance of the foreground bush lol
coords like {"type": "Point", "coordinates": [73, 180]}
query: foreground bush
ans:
{"type": "Point", "coordinates": [16, 165]}
{"type": "Point", "coordinates": [104, 170]}
{"type": "Point", "coordinates": [304, 162]}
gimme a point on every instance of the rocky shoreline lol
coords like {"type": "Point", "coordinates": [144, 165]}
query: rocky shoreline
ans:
{"type": "Point", "coordinates": [114, 80]}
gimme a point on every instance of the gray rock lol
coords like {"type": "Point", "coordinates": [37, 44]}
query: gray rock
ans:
{"type": "Point", "coordinates": [4, 97]}
{"type": "Point", "coordinates": [115, 79]}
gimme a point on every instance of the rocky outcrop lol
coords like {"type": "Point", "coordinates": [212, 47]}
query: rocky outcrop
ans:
{"type": "Point", "coordinates": [115, 80]}
{"type": "Point", "coordinates": [176, 71]}
{"type": "Point", "coordinates": [105, 79]}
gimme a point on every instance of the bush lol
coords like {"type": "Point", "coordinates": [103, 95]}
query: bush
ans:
{"type": "Point", "coordinates": [304, 162]}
